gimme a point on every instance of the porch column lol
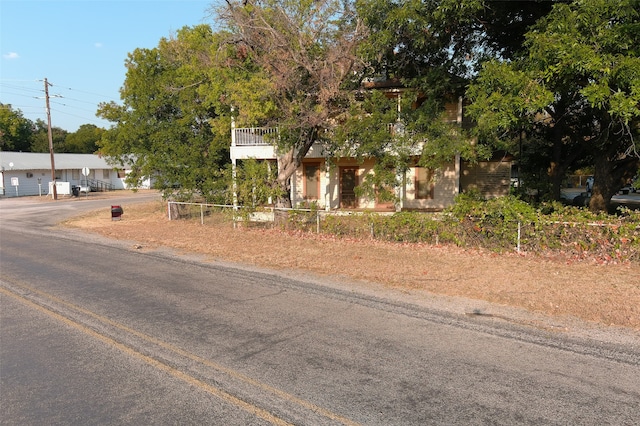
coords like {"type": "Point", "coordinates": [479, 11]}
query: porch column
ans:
{"type": "Point", "coordinates": [401, 190]}
{"type": "Point", "coordinates": [270, 198]}
{"type": "Point", "coordinates": [292, 190]}
{"type": "Point", "coordinates": [456, 190]}
{"type": "Point", "coordinates": [327, 186]}
{"type": "Point", "coordinates": [234, 184]}
{"type": "Point", "coordinates": [234, 162]}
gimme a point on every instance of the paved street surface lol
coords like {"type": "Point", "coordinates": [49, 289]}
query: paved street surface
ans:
{"type": "Point", "coordinates": [630, 200]}
{"type": "Point", "coordinates": [94, 331]}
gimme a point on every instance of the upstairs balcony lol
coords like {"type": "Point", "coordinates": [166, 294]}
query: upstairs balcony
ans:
{"type": "Point", "coordinates": [253, 142]}
{"type": "Point", "coordinates": [259, 143]}
{"type": "Point", "coordinates": [253, 136]}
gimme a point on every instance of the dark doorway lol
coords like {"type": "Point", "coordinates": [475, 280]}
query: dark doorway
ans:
{"type": "Point", "coordinates": [348, 183]}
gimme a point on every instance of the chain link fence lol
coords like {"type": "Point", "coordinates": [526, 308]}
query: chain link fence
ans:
{"type": "Point", "coordinates": [618, 241]}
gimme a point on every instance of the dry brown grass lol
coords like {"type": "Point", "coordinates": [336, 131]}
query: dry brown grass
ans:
{"type": "Point", "coordinates": [608, 294]}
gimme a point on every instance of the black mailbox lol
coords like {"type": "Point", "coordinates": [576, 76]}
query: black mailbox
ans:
{"type": "Point", "coordinates": [116, 212]}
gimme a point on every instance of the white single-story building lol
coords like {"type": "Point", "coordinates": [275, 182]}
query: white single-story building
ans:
{"type": "Point", "coordinates": [30, 173]}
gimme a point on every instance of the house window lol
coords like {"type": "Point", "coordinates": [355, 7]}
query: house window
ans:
{"type": "Point", "coordinates": [121, 174]}
{"type": "Point", "coordinates": [312, 181]}
{"type": "Point", "coordinates": [29, 174]}
{"type": "Point", "coordinates": [424, 184]}
{"type": "Point", "coordinates": [75, 174]}
{"type": "Point", "coordinates": [106, 173]}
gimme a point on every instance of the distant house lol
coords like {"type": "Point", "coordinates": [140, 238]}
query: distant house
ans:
{"type": "Point", "coordinates": [29, 173]}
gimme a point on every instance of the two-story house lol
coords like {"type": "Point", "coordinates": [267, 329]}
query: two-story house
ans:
{"type": "Point", "coordinates": [333, 187]}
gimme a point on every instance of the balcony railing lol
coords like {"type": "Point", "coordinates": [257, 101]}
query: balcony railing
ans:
{"type": "Point", "coordinates": [253, 136]}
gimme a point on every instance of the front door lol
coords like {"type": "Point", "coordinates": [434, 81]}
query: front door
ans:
{"type": "Point", "coordinates": [348, 183]}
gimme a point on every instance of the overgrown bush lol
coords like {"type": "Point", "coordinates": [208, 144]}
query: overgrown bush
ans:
{"type": "Point", "coordinates": [504, 224]}
{"type": "Point", "coordinates": [501, 225]}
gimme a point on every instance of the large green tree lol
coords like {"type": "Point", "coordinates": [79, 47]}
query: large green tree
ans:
{"type": "Point", "coordinates": [174, 122]}
{"type": "Point", "coordinates": [40, 138]}
{"type": "Point", "coordinates": [306, 51]}
{"type": "Point", "coordinates": [436, 46]}
{"type": "Point", "coordinates": [429, 51]}
{"type": "Point", "coordinates": [16, 131]}
{"type": "Point", "coordinates": [84, 140]}
{"type": "Point", "coordinates": [577, 86]}
{"type": "Point", "coordinates": [21, 134]}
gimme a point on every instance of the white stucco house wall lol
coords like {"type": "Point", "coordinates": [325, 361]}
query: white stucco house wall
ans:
{"type": "Point", "coordinates": [29, 173]}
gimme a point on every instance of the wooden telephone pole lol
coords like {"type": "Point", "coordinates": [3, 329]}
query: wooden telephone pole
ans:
{"type": "Point", "coordinates": [50, 135]}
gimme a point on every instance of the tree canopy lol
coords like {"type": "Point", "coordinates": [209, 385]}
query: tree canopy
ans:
{"type": "Point", "coordinates": [18, 133]}
{"type": "Point", "coordinates": [307, 52]}
{"type": "Point", "coordinates": [84, 140]}
{"type": "Point", "coordinates": [173, 124]}
{"type": "Point", "coordinates": [15, 130]}
{"type": "Point", "coordinates": [428, 52]}
{"type": "Point", "coordinates": [575, 87]}
{"type": "Point", "coordinates": [555, 82]}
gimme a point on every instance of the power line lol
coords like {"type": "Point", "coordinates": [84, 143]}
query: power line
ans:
{"type": "Point", "coordinates": [72, 106]}
{"type": "Point", "coordinates": [14, 88]}
{"type": "Point", "coordinates": [85, 92]}
{"type": "Point", "coordinates": [94, 120]}
{"type": "Point", "coordinates": [38, 90]}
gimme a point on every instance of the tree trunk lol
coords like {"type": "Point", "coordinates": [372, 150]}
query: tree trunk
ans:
{"type": "Point", "coordinates": [610, 175]}
{"type": "Point", "coordinates": [557, 167]}
{"type": "Point", "coordinates": [288, 164]}
{"type": "Point", "coordinates": [286, 169]}
{"type": "Point", "coordinates": [564, 150]}
{"type": "Point", "coordinates": [556, 174]}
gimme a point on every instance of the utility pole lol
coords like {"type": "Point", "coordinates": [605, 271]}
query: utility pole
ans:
{"type": "Point", "coordinates": [50, 135]}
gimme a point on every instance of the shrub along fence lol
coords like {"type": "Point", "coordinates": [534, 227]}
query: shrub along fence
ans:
{"type": "Point", "coordinates": [616, 238]}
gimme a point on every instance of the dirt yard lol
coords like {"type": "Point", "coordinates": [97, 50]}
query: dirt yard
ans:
{"type": "Point", "coordinates": [603, 294]}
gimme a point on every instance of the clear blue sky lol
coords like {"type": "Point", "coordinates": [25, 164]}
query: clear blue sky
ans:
{"type": "Point", "coordinates": [80, 46]}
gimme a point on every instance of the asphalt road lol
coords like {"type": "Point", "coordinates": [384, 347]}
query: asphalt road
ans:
{"type": "Point", "coordinates": [98, 332]}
